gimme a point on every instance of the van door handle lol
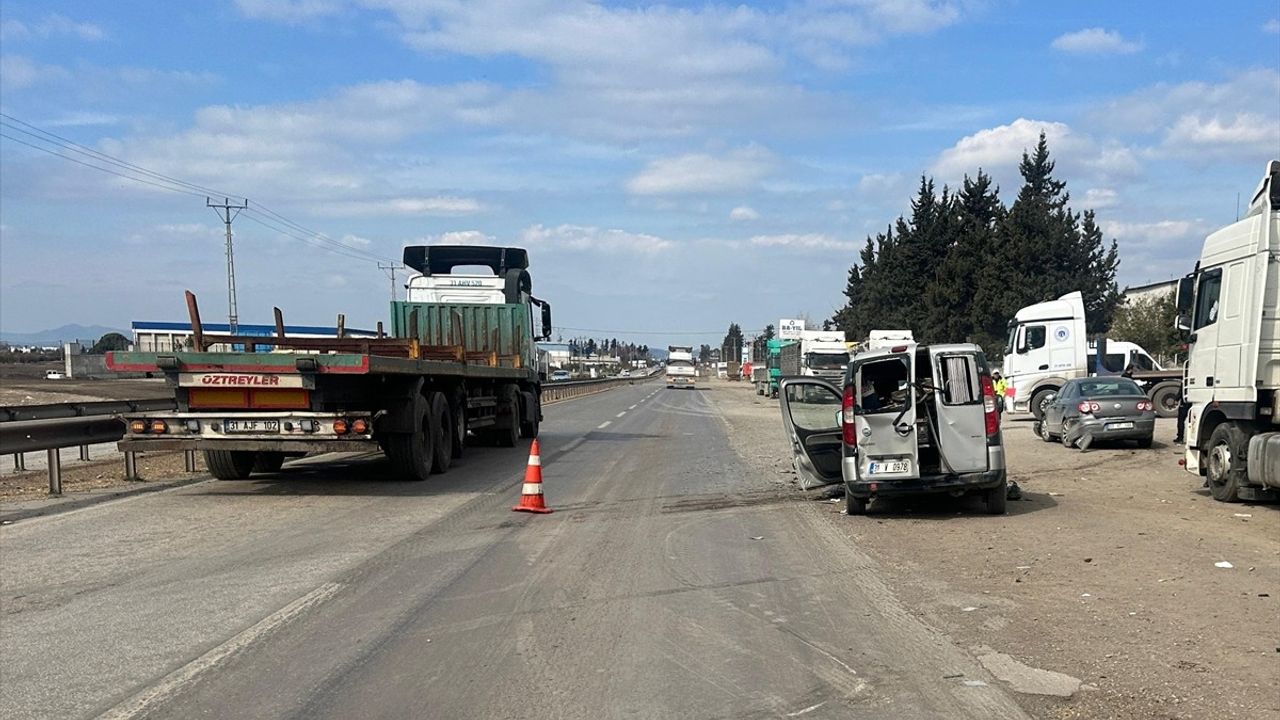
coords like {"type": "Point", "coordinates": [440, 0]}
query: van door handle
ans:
{"type": "Point", "coordinates": [1043, 367]}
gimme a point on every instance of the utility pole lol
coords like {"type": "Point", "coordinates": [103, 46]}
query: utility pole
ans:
{"type": "Point", "coordinates": [224, 214]}
{"type": "Point", "coordinates": [391, 268]}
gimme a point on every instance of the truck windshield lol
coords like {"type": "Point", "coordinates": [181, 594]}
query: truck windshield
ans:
{"type": "Point", "coordinates": [827, 361]}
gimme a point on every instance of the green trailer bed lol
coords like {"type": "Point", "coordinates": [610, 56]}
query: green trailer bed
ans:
{"type": "Point", "coordinates": [297, 362]}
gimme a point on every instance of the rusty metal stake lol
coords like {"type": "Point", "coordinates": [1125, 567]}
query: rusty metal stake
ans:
{"type": "Point", "coordinates": [55, 472]}
{"type": "Point", "coordinates": [84, 453]}
{"type": "Point", "coordinates": [19, 462]}
{"type": "Point", "coordinates": [190, 457]}
{"type": "Point", "coordinates": [131, 466]}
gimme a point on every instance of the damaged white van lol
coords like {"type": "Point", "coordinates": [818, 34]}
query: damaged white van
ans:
{"type": "Point", "coordinates": [911, 419]}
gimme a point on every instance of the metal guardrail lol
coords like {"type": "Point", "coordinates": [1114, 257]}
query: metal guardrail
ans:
{"type": "Point", "coordinates": [32, 428]}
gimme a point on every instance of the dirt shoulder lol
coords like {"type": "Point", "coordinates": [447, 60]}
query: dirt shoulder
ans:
{"type": "Point", "coordinates": [1105, 571]}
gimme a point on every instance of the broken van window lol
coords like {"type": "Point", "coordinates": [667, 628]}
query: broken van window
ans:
{"type": "Point", "coordinates": [883, 386]}
{"type": "Point", "coordinates": [959, 381]}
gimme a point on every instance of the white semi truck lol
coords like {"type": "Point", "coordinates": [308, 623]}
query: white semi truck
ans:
{"type": "Point", "coordinates": [1229, 305]}
{"type": "Point", "coordinates": [1047, 346]}
{"type": "Point", "coordinates": [823, 354]}
{"type": "Point", "coordinates": [681, 372]}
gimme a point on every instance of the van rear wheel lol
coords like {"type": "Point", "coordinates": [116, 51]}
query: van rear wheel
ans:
{"type": "Point", "coordinates": [997, 499]}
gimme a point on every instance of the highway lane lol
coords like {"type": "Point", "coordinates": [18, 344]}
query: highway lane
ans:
{"type": "Point", "coordinates": [668, 583]}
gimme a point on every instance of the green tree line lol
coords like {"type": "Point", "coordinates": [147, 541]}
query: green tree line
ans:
{"type": "Point", "coordinates": [960, 266]}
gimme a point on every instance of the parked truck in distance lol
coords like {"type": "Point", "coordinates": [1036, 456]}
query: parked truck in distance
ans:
{"type": "Point", "coordinates": [459, 366]}
{"type": "Point", "coordinates": [1228, 305]}
{"type": "Point", "coordinates": [823, 354]}
{"type": "Point", "coordinates": [783, 360]}
{"type": "Point", "coordinates": [887, 339]}
{"type": "Point", "coordinates": [681, 372]}
{"type": "Point", "coordinates": [1048, 346]}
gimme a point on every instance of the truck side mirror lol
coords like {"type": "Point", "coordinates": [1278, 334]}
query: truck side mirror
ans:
{"type": "Point", "coordinates": [546, 320]}
{"type": "Point", "coordinates": [1183, 323]}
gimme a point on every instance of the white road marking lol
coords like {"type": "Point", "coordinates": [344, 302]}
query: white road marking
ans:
{"type": "Point", "coordinates": [604, 424]}
{"type": "Point", "coordinates": [809, 709]}
{"type": "Point", "coordinates": [633, 407]}
{"type": "Point", "coordinates": [624, 412]}
{"type": "Point", "coordinates": [171, 684]}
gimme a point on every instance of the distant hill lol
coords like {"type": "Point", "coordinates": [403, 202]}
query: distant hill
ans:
{"type": "Point", "coordinates": [87, 334]}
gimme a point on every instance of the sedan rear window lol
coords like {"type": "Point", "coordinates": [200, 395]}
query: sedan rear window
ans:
{"type": "Point", "coordinates": [1109, 387]}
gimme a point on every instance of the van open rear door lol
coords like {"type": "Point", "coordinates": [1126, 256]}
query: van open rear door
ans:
{"type": "Point", "coordinates": [885, 417]}
{"type": "Point", "coordinates": [961, 432]}
{"type": "Point", "coordinates": [811, 417]}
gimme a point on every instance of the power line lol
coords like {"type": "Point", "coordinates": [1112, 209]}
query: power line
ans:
{"type": "Point", "coordinates": [131, 171]}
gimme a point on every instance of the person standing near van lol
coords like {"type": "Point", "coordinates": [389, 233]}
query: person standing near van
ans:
{"type": "Point", "coordinates": [1001, 385]}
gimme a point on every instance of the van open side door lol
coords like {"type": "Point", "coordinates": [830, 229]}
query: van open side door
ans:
{"type": "Point", "coordinates": [811, 416]}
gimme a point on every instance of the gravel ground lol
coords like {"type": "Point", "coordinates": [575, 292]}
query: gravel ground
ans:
{"type": "Point", "coordinates": [79, 476]}
{"type": "Point", "coordinates": [1105, 571]}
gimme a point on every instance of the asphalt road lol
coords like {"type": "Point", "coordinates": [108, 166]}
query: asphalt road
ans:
{"type": "Point", "coordinates": [669, 583]}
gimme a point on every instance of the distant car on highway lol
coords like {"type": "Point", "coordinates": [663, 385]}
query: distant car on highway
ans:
{"type": "Point", "coordinates": [1105, 408]}
{"type": "Point", "coordinates": [560, 375]}
{"type": "Point", "coordinates": [625, 373]}
{"type": "Point", "coordinates": [54, 375]}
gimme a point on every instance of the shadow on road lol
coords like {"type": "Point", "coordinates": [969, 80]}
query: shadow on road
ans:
{"type": "Point", "coordinates": [945, 507]}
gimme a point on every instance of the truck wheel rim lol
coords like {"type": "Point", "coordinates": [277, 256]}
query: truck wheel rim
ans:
{"type": "Point", "coordinates": [1219, 463]}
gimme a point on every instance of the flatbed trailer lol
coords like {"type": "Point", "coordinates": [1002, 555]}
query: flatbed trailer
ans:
{"type": "Point", "coordinates": [455, 372]}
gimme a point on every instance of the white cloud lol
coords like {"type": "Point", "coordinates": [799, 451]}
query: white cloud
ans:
{"type": "Point", "coordinates": [1099, 198]}
{"type": "Point", "coordinates": [1249, 129]}
{"type": "Point", "coordinates": [808, 241]}
{"type": "Point", "coordinates": [460, 237]}
{"type": "Point", "coordinates": [1158, 232]}
{"type": "Point", "coordinates": [998, 151]}
{"type": "Point", "coordinates": [84, 119]}
{"type": "Point", "coordinates": [744, 212]}
{"type": "Point", "coordinates": [1095, 41]}
{"type": "Point", "coordinates": [50, 26]}
{"type": "Point", "coordinates": [1272, 26]}
{"type": "Point", "coordinates": [439, 206]}
{"type": "Point", "coordinates": [356, 240]}
{"type": "Point", "coordinates": [18, 72]}
{"type": "Point", "coordinates": [702, 173]}
{"type": "Point", "coordinates": [289, 10]}
{"type": "Point", "coordinates": [579, 237]}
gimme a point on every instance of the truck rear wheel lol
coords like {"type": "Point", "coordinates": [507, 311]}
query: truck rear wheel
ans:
{"type": "Point", "coordinates": [459, 428]}
{"type": "Point", "coordinates": [1166, 397]}
{"type": "Point", "coordinates": [509, 436]}
{"type": "Point", "coordinates": [1227, 465]}
{"type": "Point", "coordinates": [412, 454]}
{"type": "Point", "coordinates": [268, 462]}
{"type": "Point", "coordinates": [442, 434]}
{"type": "Point", "coordinates": [1040, 401]}
{"type": "Point", "coordinates": [230, 464]}
{"type": "Point", "coordinates": [529, 428]}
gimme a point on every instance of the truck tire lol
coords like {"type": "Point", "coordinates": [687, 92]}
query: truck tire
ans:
{"type": "Point", "coordinates": [1226, 464]}
{"type": "Point", "coordinates": [268, 462]}
{"type": "Point", "coordinates": [1166, 397]}
{"type": "Point", "coordinates": [229, 464]}
{"type": "Point", "coordinates": [411, 454]}
{"type": "Point", "coordinates": [1038, 401]}
{"type": "Point", "coordinates": [459, 428]}
{"type": "Point", "coordinates": [442, 433]}
{"type": "Point", "coordinates": [529, 428]}
{"type": "Point", "coordinates": [997, 499]}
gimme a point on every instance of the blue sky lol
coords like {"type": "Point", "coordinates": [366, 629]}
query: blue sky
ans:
{"type": "Point", "coordinates": [671, 168]}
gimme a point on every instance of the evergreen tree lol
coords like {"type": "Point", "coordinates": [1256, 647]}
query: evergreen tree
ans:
{"type": "Point", "coordinates": [950, 311]}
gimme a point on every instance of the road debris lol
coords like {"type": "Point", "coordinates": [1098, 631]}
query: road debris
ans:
{"type": "Point", "coordinates": [1223, 564]}
{"type": "Point", "coordinates": [1029, 680]}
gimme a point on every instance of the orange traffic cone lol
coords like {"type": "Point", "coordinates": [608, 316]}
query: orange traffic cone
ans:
{"type": "Point", "coordinates": [531, 497]}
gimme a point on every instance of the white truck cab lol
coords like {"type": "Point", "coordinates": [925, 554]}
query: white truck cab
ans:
{"type": "Point", "coordinates": [823, 353]}
{"type": "Point", "coordinates": [1228, 305]}
{"type": "Point", "coordinates": [1046, 348]}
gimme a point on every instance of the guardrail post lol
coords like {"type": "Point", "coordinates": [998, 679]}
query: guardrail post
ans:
{"type": "Point", "coordinates": [84, 453]}
{"type": "Point", "coordinates": [55, 472]}
{"type": "Point", "coordinates": [19, 462]}
{"type": "Point", "coordinates": [189, 456]}
{"type": "Point", "coordinates": [131, 466]}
